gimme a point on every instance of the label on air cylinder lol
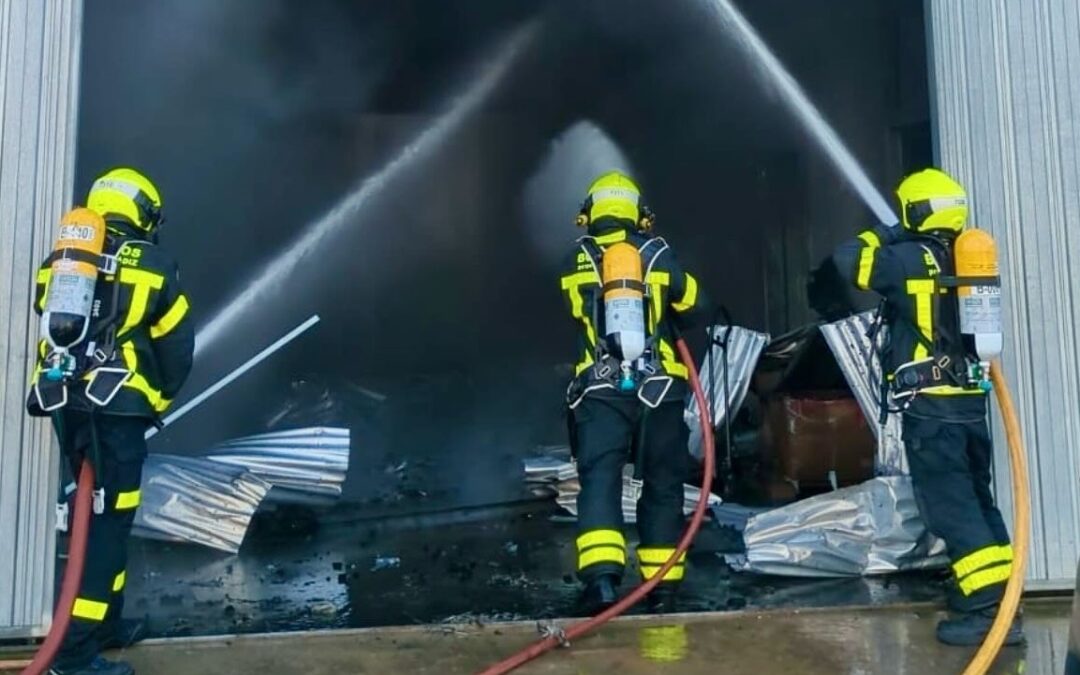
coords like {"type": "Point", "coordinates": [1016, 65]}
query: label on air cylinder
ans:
{"type": "Point", "coordinates": [980, 310]}
{"type": "Point", "coordinates": [624, 318]}
{"type": "Point", "coordinates": [71, 294]}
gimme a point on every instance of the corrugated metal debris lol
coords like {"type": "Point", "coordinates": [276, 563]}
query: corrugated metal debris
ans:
{"type": "Point", "coordinates": [737, 363]}
{"type": "Point", "coordinates": [558, 477]}
{"type": "Point", "coordinates": [300, 464]}
{"type": "Point", "coordinates": [211, 500]}
{"type": "Point", "coordinates": [867, 529]}
{"type": "Point", "coordinates": [199, 501]}
{"type": "Point", "coordinates": [849, 340]}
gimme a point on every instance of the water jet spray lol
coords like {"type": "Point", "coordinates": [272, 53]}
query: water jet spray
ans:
{"type": "Point", "coordinates": [774, 73]}
{"type": "Point", "coordinates": [266, 283]}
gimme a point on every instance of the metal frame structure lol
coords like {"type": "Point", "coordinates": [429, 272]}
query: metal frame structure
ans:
{"type": "Point", "coordinates": [1005, 89]}
{"type": "Point", "coordinates": [1006, 104]}
{"type": "Point", "coordinates": [40, 43]}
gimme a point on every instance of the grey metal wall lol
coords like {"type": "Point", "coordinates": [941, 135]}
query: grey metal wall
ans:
{"type": "Point", "coordinates": [39, 59]}
{"type": "Point", "coordinates": [1006, 83]}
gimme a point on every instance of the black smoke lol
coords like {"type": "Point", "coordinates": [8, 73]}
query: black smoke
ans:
{"type": "Point", "coordinates": [256, 117]}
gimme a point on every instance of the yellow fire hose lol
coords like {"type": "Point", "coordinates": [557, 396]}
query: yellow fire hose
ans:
{"type": "Point", "coordinates": [984, 658]}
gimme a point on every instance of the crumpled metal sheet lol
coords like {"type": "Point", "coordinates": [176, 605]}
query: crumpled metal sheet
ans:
{"type": "Point", "coordinates": [866, 529]}
{"type": "Point", "coordinates": [849, 340]}
{"type": "Point", "coordinates": [298, 462]}
{"type": "Point", "coordinates": [559, 476]}
{"type": "Point", "coordinates": [198, 501]}
{"type": "Point", "coordinates": [211, 500]}
{"type": "Point", "coordinates": [744, 350]}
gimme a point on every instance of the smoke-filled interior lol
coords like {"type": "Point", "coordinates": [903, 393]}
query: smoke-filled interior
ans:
{"type": "Point", "coordinates": [410, 172]}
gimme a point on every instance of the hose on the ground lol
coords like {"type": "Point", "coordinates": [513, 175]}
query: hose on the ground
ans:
{"type": "Point", "coordinates": [986, 654]}
{"type": "Point", "coordinates": [73, 572]}
{"type": "Point", "coordinates": [582, 627]}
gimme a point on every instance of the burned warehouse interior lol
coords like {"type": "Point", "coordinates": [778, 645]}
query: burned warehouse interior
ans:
{"type": "Point", "coordinates": [409, 173]}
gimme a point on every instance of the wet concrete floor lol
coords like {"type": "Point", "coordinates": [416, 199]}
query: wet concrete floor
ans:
{"type": "Point", "coordinates": [814, 642]}
{"type": "Point", "coordinates": [513, 564]}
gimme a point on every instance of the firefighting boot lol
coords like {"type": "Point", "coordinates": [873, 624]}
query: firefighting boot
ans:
{"type": "Point", "coordinates": [99, 666]}
{"type": "Point", "coordinates": [970, 629]}
{"type": "Point", "coordinates": [663, 599]}
{"type": "Point", "coordinates": [599, 594]}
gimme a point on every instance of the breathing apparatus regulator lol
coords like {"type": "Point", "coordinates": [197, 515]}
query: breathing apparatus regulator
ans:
{"type": "Point", "coordinates": [935, 206]}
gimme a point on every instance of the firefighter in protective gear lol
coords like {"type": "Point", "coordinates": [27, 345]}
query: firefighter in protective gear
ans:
{"type": "Point", "coordinates": [142, 330]}
{"type": "Point", "coordinates": [627, 409]}
{"type": "Point", "coordinates": [928, 371]}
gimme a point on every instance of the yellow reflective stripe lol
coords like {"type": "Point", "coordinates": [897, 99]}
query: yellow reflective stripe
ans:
{"type": "Point", "coordinates": [128, 500]}
{"type": "Point", "coordinates": [949, 390]}
{"type": "Point", "coordinates": [138, 382]}
{"type": "Point", "coordinates": [571, 283]}
{"type": "Point", "coordinates": [984, 557]}
{"type": "Point", "coordinates": [590, 332]}
{"type": "Point", "coordinates": [673, 366]}
{"type": "Point", "coordinates": [676, 573]}
{"type": "Point", "coordinates": [601, 554]}
{"type": "Point", "coordinates": [171, 319]}
{"type": "Point", "coordinates": [657, 281]}
{"type": "Point", "coordinates": [866, 267]}
{"type": "Point", "coordinates": [866, 259]}
{"type": "Point", "coordinates": [923, 290]}
{"type": "Point", "coordinates": [611, 237]}
{"type": "Point", "coordinates": [601, 538]}
{"type": "Point", "coordinates": [585, 364]}
{"type": "Point", "coordinates": [980, 580]}
{"type": "Point", "coordinates": [119, 582]}
{"type": "Point", "coordinates": [661, 278]}
{"type": "Point", "coordinates": [44, 276]}
{"type": "Point", "coordinates": [657, 556]}
{"type": "Point", "coordinates": [689, 298]}
{"type": "Point", "coordinates": [91, 610]}
{"type": "Point", "coordinates": [143, 283]}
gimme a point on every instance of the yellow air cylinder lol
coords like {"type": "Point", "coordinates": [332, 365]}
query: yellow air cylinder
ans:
{"type": "Point", "coordinates": [70, 297]}
{"type": "Point", "coordinates": [980, 302]}
{"type": "Point", "coordinates": [624, 306]}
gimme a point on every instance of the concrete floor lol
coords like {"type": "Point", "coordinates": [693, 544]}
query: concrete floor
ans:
{"type": "Point", "coordinates": [818, 642]}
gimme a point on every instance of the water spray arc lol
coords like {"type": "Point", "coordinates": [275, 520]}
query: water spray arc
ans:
{"type": "Point", "coordinates": [268, 281]}
{"type": "Point", "coordinates": [800, 105]}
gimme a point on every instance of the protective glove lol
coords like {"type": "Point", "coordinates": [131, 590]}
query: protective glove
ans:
{"type": "Point", "coordinates": [828, 293]}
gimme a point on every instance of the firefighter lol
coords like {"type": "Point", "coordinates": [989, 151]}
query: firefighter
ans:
{"type": "Point", "coordinates": [929, 375]}
{"type": "Point", "coordinates": [624, 409]}
{"type": "Point", "coordinates": [143, 346]}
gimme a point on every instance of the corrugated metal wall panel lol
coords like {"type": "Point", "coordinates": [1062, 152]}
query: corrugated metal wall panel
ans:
{"type": "Point", "coordinates": [39, 66]}
{"type": "Point", "coordinates": [1006, 84]}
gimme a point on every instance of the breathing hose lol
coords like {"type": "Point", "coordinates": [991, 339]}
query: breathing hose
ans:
{"type": "Point", "coordinates": [582, 627]}
{"type": "Point", "coordinates": [73, 572]}
{"type": "Point", "coordinates": [984, 658]}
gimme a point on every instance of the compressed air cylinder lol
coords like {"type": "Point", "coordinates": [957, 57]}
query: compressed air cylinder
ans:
{"type": "Point", "coordinates": [624, 305]}
{"type": "Point", "coordinates": [70, 298]}
{"type": "Point", "coordinates": [980, 302]}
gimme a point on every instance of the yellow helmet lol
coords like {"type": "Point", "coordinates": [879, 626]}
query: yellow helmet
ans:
{"type": "Point", "coordinates": [932, 201]}
{"type": "Point", "coordinates": [127, 195]}
{"type": "Point", "coordinates": [615, 195]}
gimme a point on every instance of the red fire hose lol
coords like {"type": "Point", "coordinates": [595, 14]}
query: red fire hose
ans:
{"type": "Point", "coordinates": [582, 627]}
{"type": "Point", "coordinates": [80, 530]}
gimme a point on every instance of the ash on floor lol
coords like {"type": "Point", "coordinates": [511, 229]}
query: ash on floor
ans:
{"type": "Point", "coordinates": [296, 573]}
